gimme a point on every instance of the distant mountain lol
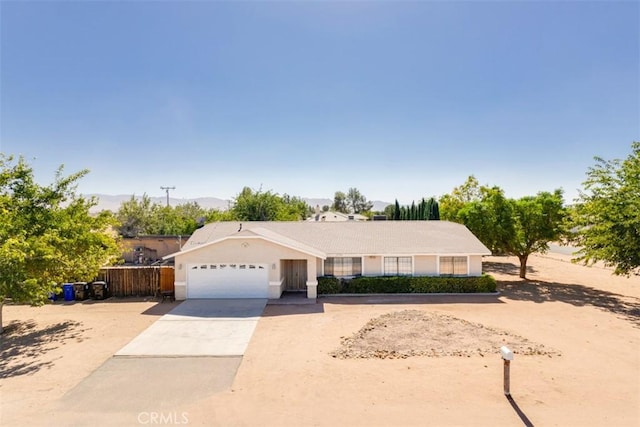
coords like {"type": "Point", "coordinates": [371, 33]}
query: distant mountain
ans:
{"type": "Point", "coordinates": [318, 202]}
{"type": "Point", "coordinates": [379, 205]}
{"type": "Point", "coordinates": [112, 203]}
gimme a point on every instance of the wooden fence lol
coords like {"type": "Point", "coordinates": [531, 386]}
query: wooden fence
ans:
{"type": "Point", "coordinates": [138, 281]}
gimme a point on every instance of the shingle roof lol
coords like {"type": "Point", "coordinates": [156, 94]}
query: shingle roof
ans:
{"type": "Point", "coordinates": [354, 237]}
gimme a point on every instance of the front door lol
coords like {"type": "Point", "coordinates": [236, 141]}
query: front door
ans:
{"type": "Point", "coordinates": [295, 274]}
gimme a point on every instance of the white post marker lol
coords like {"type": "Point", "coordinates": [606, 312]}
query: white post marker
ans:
{"type": "Point", "coordinates": [507, 356]}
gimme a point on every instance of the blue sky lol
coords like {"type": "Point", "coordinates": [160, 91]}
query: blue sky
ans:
{"type": "Point", "coordinates": [399, 99]}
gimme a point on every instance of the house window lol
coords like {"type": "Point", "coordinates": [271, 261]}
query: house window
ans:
{"type": "Point", "coordinates": [340, 267]}
{"type": "Point", "coordinates": [453, 265]}
{"type": "Point", "coordinates": [397, 266]}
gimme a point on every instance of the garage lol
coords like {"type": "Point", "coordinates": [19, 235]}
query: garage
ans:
{"type": "Point", "coordinates": [226, 280]}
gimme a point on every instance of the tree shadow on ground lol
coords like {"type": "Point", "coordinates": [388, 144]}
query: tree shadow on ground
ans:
{"type": "Point", "coordinates": [539, 291]}
{"type": "Point", "coordinates": [23, 344]}
{"type": "Point", "coordinates": [505, 268]}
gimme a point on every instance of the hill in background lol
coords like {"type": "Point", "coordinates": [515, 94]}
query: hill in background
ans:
{"type": "Point", "coordinates": [113, 202]}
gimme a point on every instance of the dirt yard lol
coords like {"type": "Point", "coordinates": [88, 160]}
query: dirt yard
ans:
{"type": "Point", "coordinates": [387, 361]}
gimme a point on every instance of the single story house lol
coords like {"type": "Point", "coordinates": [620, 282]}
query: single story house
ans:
{"type": "Point", "coordinates": [337, 217]}
{"type": "Point", "coordinates": [264, 259]}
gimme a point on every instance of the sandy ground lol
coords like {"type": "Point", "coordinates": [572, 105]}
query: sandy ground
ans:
{"type": "Point", "coordinates": [46, 351]}
{"type": "Point", "coordinates": [589, 318]}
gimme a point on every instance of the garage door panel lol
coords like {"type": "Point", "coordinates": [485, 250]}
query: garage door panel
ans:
{"type": "Point", "coordinates": [240, 280]}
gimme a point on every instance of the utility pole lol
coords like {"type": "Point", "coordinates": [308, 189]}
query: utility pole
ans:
{"type": "Point", "coordinates": [167, 190]}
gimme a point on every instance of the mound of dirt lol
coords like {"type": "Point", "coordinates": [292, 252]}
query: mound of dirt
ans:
{"type": "Point", "coordinates": [409, 333]}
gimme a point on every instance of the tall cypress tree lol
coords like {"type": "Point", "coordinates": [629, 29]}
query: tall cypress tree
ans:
{"type": "Point", "coordinates": [434, 210]}
{"type": "Point", "coordinates": [396, 211]}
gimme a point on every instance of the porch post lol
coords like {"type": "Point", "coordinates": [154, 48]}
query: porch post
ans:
{"type": "Point", "coordinates": [312, 279]}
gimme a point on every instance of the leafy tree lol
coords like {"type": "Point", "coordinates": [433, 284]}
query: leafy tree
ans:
{"type": "Point", "coordinates": [182, 219]}
{"type": "Point", "coordinates": [47, 235]}
{"type": "Point", "coordinates": [539, 220]}
{"type": "Point", "coordinates": [141, 216]}
{"type": "Point", "coordinates": [135, 216]}
{"type": "Point", "coordinates": [515, 227]}
{"type": "Point", "coordinates": [294, 209]}
{"type": "Point", "coordinates": [491, 219]}
{"type": "Point", "coordinates": [252, 205]}
{"type": "Point", "coordinates": [267, 206]}
{"type": "Point", "coordinates": [340, 202]}
{"type": "Point", "coordinates": [214, 215]}
{"type": "Point", "coordinates": [607, 215]}
{"type": "Point", "coordinates": [356, 202]}
{"type": "Point", "coordinates": [451, 204]}
{"type": "Point", "coordinates": [507, 226]}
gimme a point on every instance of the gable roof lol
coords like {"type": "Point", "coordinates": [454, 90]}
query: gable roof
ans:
{"type": "Point", "coordinates": [324, 239]}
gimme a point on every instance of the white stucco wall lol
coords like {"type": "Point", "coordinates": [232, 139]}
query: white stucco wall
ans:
{"type": "Point", "coordinates": [371, 265]}
{"type": "Point", "coordinates": [475, 265]}
{"type": "Point", "coordinates": [425, 265]}
{"type": "Point", "coordinates": [244, 250]}
{"type": "Point", "coordinates": [319, 267]}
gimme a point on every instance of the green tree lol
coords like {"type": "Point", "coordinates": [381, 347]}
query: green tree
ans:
{"type": "Point", "coordinates": [491, 218]}
{"type": "Point", "coordinates": [47, 235]}
{"type": "Point", "coordinates": [141, 216]}
{"type": "Point", "coordinates": [507, 226]}
{"type": "Point", "coordinates": [607, 215]}
{"type": "Point", "coordinates": [396, 211]}
{"type": "Point", "coordinates": [261, 205]}
{"type": "Point", "coordinates": [539, 220]}
{"type": "Point", "coordinates": [214, 215]}
{"type": "Point", "coordinates": [135, 216]}
{"type": "Point", "coordinates": [433, 210]}
{"type": "Point", "coordinates": [179, 220]}
{"type": "Point", "coordinates": [356, 202]}
{"type": "Point", "coordinates": [294, 209]}
{"type": "Point", "coordinates": [451, 204]}
{"type": "Point", "coordinates": [340, 202]}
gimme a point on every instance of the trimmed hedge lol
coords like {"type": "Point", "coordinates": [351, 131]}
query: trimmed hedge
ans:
{"type": "Point", "coordinates": [406, 285]}
{"type": "Point", "coordinates": [329, 285]}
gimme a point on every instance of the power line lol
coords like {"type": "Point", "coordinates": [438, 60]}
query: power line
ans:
{"type": "Point", "coordinates": [167, 190]}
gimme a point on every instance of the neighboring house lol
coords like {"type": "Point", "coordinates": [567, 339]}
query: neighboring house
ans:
{"type": "Point", "coordinates": [145, 250]}
{"type": "Point", "coordinates": [331, 216]}
{"type": "Point", "coordinates": [264, 259]}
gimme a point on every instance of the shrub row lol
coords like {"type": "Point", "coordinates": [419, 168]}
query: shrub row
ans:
{"type": "Point", "coordinates": [406, 284]}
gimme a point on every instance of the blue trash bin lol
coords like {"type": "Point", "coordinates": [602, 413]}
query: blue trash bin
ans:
{"type": "Point", "coordinates": [68, 292]}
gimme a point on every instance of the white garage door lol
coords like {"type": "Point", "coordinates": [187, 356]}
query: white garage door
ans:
{"type": "Point", "coordinates": [242, 280]}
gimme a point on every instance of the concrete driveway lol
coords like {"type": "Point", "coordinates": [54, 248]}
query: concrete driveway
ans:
{"type": "Point", "coordinates": [206, 327]}
{"type": "Point", "coordinates": [188, 355]}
